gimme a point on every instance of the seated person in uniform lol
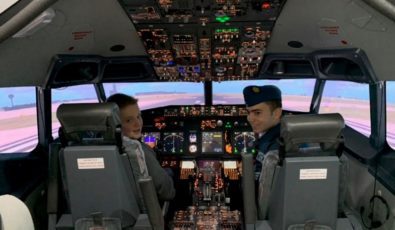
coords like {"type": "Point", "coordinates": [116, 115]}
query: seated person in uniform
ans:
{"type": "Point", "coordinates": [264, 109]}
{"type": "Point", "coordinates": [145, 162]}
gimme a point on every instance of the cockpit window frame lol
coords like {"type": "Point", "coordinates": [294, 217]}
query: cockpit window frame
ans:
{"type": "Point", "coordinates": [6, 4]}
{"type": "Point", "coordinates": [12, 10]}
{"type": "Point", "coordinates": [390, 99]}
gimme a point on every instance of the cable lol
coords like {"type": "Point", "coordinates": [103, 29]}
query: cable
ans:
{"type": "Point", "coordinates": [375, 224]}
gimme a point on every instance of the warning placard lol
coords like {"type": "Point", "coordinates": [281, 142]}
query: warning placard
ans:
{"type": "Point", "coordinates": [313, 174]}
{"type": "Point", "coordinates": [90, 163]}
{"type": "Point", "coordinates": [78, 35]}
{"type": "Point", "coordinates": [330, 30]}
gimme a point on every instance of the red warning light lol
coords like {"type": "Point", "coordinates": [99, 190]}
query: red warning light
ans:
{"type": "Point", "coordinates": [265, 6]}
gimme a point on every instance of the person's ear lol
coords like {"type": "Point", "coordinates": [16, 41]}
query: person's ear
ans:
{"type": "Point", "coordinates": [277, 113]}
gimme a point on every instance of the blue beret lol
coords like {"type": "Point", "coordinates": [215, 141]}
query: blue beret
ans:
{"type": "Point", "coordinates": [256, 94]}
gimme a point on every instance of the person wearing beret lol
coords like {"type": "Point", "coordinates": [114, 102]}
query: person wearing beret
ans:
{"type": "Point", "coordinates": [264, 113]}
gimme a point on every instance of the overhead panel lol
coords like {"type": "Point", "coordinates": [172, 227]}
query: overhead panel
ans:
{"type": "Point", "coordinates": [205, 40]}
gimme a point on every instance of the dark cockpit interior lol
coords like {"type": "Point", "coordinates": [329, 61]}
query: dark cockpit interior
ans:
{"type": "Point", "coordinates": [202, 145]}
{"type": "Point", "coordinates": [202, 138]}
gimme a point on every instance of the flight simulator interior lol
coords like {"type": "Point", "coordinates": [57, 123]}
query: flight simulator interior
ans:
{"type": "Point", "coordinates": [196, 41]}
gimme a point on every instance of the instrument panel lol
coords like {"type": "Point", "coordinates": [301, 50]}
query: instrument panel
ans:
{"type": "Point", "coordinates": [204, 40]}
{"type": "Point", "coordinates": [201, 146]}
{"type": "Point", "coordinates": [198, 130]}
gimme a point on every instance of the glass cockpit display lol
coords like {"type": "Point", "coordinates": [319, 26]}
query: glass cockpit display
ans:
{"type": "Point", "coordinates": [173, 142]}
{"type": "Point", "coordinates": [151, 138]}
{"type": "Point", "coordinates": [212, 142]}
{"type": "Point", "coordinates": [215, 131]}
{"type": "Point", "coordinates": [192, 138]}
{"type": "Point", "coordinates": [243, 142]}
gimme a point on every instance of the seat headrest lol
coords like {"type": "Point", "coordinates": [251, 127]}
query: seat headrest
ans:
{"type": "Point", "coordinates": [323, 129]}
{"type": "Point", "coordinates": [14, 214]}
{"type": "Point", "coordinates": [78, 119]}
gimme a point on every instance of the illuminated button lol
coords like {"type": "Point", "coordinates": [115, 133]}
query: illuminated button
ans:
{"type": "Point", "coordinates": [196, 69]}
{"type": "Point", "coordinates": [222, 19]}
{"type": "Point", "coordinates": [181, 69]}
{"type": "Point", "coordinates": [265, 6]}
{"type": "Point", "coordinates": [192, 148]}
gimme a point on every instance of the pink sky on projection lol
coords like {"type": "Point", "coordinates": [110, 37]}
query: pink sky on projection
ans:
{"type": "Point", "coordinates": [356, 114]}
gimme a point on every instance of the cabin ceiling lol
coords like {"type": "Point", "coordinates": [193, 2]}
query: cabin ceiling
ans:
{"type": "Point", "coordinates": [337, 24]}
{"type": "Point", "coordinates": [76, 29]}
{"type": "Point", "coordinates": [108, 31]}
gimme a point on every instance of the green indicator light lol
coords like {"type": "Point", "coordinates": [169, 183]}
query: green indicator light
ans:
{"type": "Point", "coordinates": [222, 19]}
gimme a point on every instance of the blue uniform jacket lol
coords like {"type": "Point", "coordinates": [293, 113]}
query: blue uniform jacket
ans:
{"type": "Point", "coordinates": [264, 144]}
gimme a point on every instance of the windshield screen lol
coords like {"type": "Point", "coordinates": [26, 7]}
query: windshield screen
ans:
{"type": "Point", "coordinates": [296, 94]}
{"type": "Point", "coordinates": [152, 95]}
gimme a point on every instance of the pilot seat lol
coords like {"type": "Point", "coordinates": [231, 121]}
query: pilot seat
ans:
{"type": "Point", "coordinates": [97, 177]}
{"type": "Point", "coordinates": [299, 183]}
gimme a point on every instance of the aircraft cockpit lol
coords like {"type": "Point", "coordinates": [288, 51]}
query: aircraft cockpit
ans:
{"type": "Point", "coordinates": [187, 63]}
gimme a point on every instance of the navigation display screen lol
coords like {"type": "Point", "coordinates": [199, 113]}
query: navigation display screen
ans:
{"type": "Point", "coordinates": [212, 142]}
{"type": "Point", "coordinates": [150, 138]}
{"type": "Point", "coordinates": [173, 142]}
{"type": "Point", "coordinates": [243, 142]}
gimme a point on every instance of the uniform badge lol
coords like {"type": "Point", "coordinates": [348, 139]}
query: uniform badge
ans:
{"type": "Point", "coordinates": [260, 156]}
{"type": "Point", "coordinates": [255, 89]}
